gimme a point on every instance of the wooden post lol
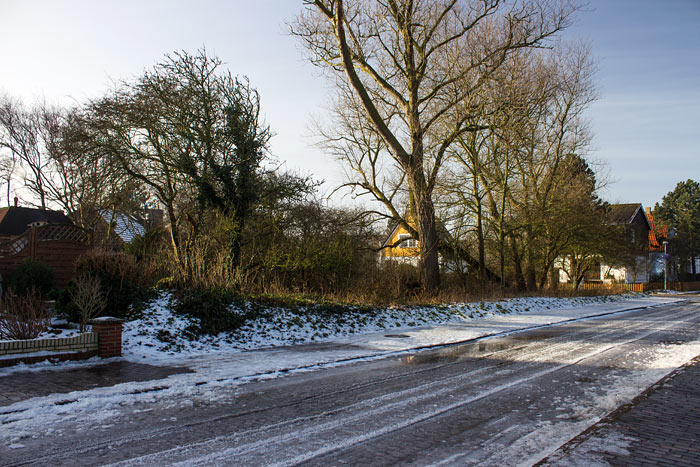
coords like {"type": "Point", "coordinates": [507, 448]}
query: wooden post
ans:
{"type": "Point", "coordinates": [32, 242]}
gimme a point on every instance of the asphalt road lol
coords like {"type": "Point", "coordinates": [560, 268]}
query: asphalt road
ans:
{"type": "Point", "coordinates": [498, 401]}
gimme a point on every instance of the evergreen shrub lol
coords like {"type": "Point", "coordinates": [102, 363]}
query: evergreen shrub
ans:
{"type": "Point", "coordinates": [213, 311]}
{"type": "Point", "coordinates": [31, 274]}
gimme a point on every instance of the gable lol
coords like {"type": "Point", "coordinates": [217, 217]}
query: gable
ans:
{"type": "Point", "coordinates": [16, 220]}
{"type": "Point", "coordinates": [626, 214]}
{"type": "Point", "coordinates": [397, 234]}
{"type": "Point", "coordinates": [640, 219]}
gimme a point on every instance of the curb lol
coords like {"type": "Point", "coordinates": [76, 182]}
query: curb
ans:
{"type": "Point", "coordinates": [580, 438]}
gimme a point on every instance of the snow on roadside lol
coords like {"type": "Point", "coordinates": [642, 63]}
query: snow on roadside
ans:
{"type": "Point", "coordinates": [222, 364]}
{"type": "Point", "coordinates": [161, 335]}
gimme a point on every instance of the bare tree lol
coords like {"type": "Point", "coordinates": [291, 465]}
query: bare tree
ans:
{"type": "Point", "coordinates": [403, 67]}
{"type": "Point", "coordinates": [552, 142]}
{"type": "Point", "coordinates": [28, 135]}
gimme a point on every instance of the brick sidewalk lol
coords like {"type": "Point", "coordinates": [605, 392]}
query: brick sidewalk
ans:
{"type": "Point", "coordinates": [25, 385]}
{"type": "Point", "coordinates": [661, 427]}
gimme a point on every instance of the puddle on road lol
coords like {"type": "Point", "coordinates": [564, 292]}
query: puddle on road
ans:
{"type": "Point", "coordinates": [538, 335]}
{"type": "Point", "coordinates": [483, 347]}
{"type": "Point", "coordinates": [461, 352]}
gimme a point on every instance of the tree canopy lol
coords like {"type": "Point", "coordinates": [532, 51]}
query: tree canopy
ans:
{"type": "Point", "coordinates": [680, 211]}
{"type": "Point", "coordinates": [407, 75]}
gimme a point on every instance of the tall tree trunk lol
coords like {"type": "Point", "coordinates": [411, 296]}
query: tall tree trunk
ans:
{"type": "Point", "coordinates": [476, 171]}
{"type": "Point", "coordinates": [502, 252]}
{"type": "Point", "coordinates": [174, 234]}
{"type": "Point", "coordinates": [429, 261]}
{"type": "Point", "coordinates": [517, 263]}
{"type": "Point", "coordinates": [502, 237]}
{"type": "Point", "coordinates": [530, 281]}
{"type": "Point", "coordinates": [480, 240]}
{"type": "Point", "coordinates": [553, 278]}
{"type": "Point", "coordinates": [544, 274]}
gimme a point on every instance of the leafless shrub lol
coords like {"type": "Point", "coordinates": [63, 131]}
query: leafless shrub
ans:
{"type": "Point", "coordinates": [88, 297]}
{"type": "Point", "coordinates": [119, 266]}
{"type": "Point", "coordinates": [23, 316]}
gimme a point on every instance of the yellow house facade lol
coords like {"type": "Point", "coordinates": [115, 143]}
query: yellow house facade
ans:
{"type": "Point", "coordinates": [406, 249]}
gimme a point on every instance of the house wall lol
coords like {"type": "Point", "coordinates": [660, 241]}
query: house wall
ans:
{"type": "Point", "coordinates": [635, 274]}
{"type": "Point", "coordinates": [640, 226]}
{"type": "Point", "coordinates": [398, 252]}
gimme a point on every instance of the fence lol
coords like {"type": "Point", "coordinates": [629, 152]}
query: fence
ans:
{"type": "Point", "coordinates": [79, 347]}
{"type": "Point", "coordinates": [641, 287]}
{"type": "Point", "coordinates": [55, 245]}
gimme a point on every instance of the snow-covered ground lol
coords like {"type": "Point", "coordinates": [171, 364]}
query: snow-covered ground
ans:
{"type": "Point", "coordinates": [261, 350]}
{"type": "Point", "coordinates": [160, 335]}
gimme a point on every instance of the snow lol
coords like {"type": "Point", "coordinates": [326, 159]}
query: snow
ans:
{"type": "Point", "coordinates": [262, 350]}
{"type": "Point", "coordinates": [158, 336]}
{"type": "Point", "coordinates": [590, 453]}
{"type": "Point", "coordinates": [124, 225]}
{"type": "Point", "coordinates": [617, 392]}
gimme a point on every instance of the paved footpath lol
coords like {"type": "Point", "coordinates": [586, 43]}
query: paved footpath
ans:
{"type": "Point", "coordinates": [24, 385]}
{"type": "Point", "coordinates": [661, 427]}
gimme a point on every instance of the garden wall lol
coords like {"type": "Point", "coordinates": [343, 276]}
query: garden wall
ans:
{"type": "Point", "coordinates": [82, 346]}
{"type": "Point", "coordinates": [105, 341]}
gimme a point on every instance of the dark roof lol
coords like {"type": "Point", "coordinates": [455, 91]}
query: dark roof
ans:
{"type": "Point", "coordinates": [623, 213]}
{"type": "Point", "coordinates": [16, 220]}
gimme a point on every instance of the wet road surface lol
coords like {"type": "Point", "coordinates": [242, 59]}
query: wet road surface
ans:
{"type": "Point", "coordinates": [498, 401]}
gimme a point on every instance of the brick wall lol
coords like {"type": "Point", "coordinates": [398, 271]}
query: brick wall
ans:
{"type": "Point", "coordinates": [86, 341]}
{"type": "Point", "coordinates": [105, 341]}
{"type": "Point", "coordinates": [109, 335]}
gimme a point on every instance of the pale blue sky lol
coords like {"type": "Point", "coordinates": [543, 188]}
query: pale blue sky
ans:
{"type": "Point", "coordinates": [646, 122]}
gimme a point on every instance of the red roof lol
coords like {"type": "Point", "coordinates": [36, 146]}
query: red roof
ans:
{"type": "Point", "coordinates": [654, 244]}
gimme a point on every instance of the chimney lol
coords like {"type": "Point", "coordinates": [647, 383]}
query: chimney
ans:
{"type": "Point", "coordinates": [16, 201]}
{"type": "Point", "coordinates": [155, 218]}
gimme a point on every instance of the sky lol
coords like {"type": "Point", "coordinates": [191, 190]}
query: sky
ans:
{"type": "Point", "coordinates": [645, 123]}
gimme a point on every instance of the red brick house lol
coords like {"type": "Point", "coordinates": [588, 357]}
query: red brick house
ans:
{"type": "Point", "coordinates": [43, 235]}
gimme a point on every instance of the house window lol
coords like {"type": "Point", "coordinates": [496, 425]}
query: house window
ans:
{"type": "Point", "coordinates": [407, 241]}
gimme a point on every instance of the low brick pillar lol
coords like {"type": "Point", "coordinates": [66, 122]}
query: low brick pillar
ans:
{"type": "Point", "coordinates": [109, 336]}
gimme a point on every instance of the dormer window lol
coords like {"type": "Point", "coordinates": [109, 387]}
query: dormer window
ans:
{"type": "Point", "coordinates": [407, 241]}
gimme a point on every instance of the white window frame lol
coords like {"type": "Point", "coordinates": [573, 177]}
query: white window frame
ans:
{"type": "Point", "coordinates": [407, 241]}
